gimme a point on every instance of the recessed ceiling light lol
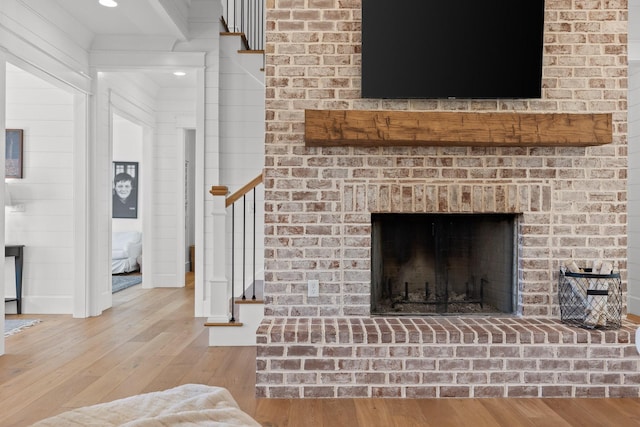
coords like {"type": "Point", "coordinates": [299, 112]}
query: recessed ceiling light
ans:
{"type": "Point", "coordinates": [179, 73]}
{"type": "Point", "coordinates": [108, 3]}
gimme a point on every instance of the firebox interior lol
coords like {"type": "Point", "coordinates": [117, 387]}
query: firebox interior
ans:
{"type": "Point", "coordinates": [443, 264]}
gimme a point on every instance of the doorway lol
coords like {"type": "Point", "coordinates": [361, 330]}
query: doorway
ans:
{"type": "Point", "coordinates": [127, 193]}
{"type": "Point", "coordinates": [189, 199]}
{"type": "Point", "coordinates": [44, 215]}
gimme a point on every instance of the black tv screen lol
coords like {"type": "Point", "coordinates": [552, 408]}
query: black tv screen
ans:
{"type": "Point", "coordinates": [452, 48]}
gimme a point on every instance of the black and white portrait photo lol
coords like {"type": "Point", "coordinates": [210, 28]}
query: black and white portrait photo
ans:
{"type": "Point", "coordinates": [125, 190]}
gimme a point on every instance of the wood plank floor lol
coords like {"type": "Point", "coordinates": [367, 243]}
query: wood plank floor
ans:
{"type": "Point", "coordinates": [150, 341]}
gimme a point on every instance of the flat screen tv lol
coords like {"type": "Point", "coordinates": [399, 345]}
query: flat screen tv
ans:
{"type": "Point", "coordinates": [452, 48]}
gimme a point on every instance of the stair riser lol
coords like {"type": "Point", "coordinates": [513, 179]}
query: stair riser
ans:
{"type": "Point", "coordinates": [250, 315]}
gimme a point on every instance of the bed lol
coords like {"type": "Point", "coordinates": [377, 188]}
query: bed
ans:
{"type": "Point", "coordinates": [126, 251]}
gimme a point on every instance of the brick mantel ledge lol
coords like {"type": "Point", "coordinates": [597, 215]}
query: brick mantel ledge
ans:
{"type": "Point", "coordinates": [443, 356]}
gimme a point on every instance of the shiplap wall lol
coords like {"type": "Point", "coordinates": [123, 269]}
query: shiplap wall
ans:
{"type": "Point", "coordinates": [634, 189]}
{"type": "Point", "coordinates": [45, 113]}
{"type": "Point", "coordinates": [175, 113]}
{"type": "Point", "coordinates": [242, 113]}
{"type": "Point", "coordinates": [633, 299]}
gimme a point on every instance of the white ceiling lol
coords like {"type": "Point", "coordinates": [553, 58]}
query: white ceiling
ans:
{"type": "Point", "coordinates": [131, 17]}
{"type": "Point", "coordinates": [142, 24]}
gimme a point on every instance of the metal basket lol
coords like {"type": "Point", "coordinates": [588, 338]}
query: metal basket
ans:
{"type": "Point", "coordinates": [589, 300]}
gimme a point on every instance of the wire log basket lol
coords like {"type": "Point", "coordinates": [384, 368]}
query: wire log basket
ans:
{"type": "Point", "coordinates": [590, 300]}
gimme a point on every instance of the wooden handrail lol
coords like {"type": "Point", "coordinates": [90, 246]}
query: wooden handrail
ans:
{"type": "Point", "coordinates": [244, 190]}
{"type": "Point", "coordinates": [219, 190]}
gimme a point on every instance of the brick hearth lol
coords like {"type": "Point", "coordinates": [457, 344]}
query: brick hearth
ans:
{"type": "Point", "coordinates": [443, 357]}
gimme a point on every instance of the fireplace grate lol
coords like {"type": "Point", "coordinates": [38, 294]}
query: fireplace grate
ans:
{"type": "Point", "coordinates": [473, 295]}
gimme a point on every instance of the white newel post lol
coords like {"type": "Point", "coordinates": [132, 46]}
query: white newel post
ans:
{"type": "Point", "coordinates": [218, 306]}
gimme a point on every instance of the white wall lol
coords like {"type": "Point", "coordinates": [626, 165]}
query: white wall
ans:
{"type": "Point", "coordinates": [190, 174]}
{"type": "Point", "coordinates": [242, 127]}
{"type": "Point", "coordinates": [633, 207]}
{"type": "Point", "coordinates": [205, 29]}
{"type": "Point", "coordinates": [175, 114]}
{"type": "Point", "coordinates": [2, 163]}
{"type": "Point", "coordinates": [242, 114]}
{"type": "Point", "coordinates": [633, 301]}
{"type": "Point", "coordinates": [46, 193]}
{"type": "Point", "coordinates": [40, 34]}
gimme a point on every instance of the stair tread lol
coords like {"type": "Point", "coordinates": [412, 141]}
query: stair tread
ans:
{"type": "Point", "coordinates": [223, 324]}
{"type": "Point", "coordinates": [239, 300]}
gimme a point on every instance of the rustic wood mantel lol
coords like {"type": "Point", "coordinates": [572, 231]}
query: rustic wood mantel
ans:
{"type": "Point", "coordinates": [327, 128]}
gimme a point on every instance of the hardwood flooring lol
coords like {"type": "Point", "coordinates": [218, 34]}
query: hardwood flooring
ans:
{"type": "Point", "coordinates": [150, 341]}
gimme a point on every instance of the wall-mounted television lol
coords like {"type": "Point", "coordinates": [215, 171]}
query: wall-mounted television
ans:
{"type": "Point", "coordinates": [452, 48]}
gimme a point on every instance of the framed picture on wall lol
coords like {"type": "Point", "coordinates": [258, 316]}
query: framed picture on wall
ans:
{"type": "Point", "coordinates": [125, 190]}
{"type": "Point", "coordinates": [13, 153]}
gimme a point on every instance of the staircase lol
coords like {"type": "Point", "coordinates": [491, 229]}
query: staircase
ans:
{"type": "Point", "coordinates": [246, 19]}
{"type": "Point", "coordinates": [248, 313]}
{"type": "Point", "coordinates": [234, 294]}
{"type": "Point", "coordinates": [237, 305]}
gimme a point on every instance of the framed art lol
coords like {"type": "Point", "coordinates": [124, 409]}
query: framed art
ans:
{"type": "Point", "coordinates": [13, 153]}
{"type": "Point", "coordinates": [125, 190]}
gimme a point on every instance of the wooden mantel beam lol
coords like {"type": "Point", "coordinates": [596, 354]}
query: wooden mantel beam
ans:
{"type": "Point", "coordinates": [326, 128]}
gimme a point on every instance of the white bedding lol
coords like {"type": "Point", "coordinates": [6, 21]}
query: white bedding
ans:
{"type": "Point", "coordinates": [125, 265]}
{"type": "Point", "coordinates": [182, 406]}
{"type": "Point", "coordinates": [126, 249]}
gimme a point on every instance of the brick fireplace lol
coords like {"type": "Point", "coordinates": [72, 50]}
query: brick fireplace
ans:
{"type": "Point", "coordinates": [569, 200]}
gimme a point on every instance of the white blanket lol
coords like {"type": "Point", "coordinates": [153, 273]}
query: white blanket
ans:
{"type": "Point", "coordinates": [186, 405]}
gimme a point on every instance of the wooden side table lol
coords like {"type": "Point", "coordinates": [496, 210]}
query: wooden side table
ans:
{"type": "Point", "coordinates": [16, 251]}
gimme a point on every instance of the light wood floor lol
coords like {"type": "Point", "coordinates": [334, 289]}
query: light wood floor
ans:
{"type": "Point", "coordinates": [149, 341]}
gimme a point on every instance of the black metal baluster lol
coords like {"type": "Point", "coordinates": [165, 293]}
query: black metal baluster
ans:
{"type": "Point", "coordinates": [242, 18]}
{"type": "Point", "coordinates": [254, 244]}
{"type": "Point", "coordinates": [244, 244]}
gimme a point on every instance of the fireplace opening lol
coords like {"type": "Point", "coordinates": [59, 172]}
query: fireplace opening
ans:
{"type": "Point", "coordinates": [443, 264]}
